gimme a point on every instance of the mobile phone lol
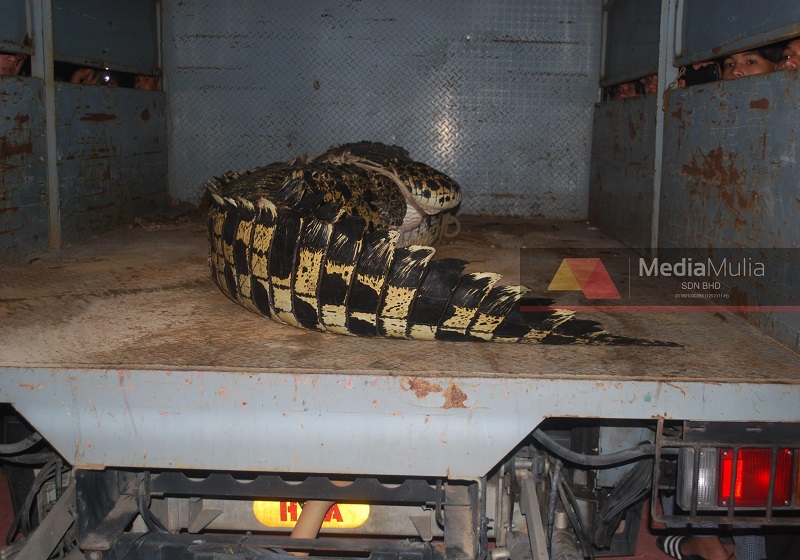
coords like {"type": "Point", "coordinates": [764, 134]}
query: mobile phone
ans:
{"type": "Point", "coordinates": [702, 75]}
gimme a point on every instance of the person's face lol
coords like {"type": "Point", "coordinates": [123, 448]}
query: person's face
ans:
{"type": "Point", "coordinates": [748, 63]}
{"type": "Point", "coordinates": [149, 83]}
{"type": "Point", "coordinates": [790, 57]}
{"type": "Point", "coordinates": [10, 64]}
{"type": "Point", "coordinates": [623, 91]}
{"type": "Point", "coordinates": [650, 83]}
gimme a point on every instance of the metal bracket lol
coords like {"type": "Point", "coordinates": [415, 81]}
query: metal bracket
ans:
{"type": "Point", "coordinates": [43, 541]}
{"type": "Point", "coordinates": [529, 504]}
{"type": "Point", "coordinates": [199, 517]}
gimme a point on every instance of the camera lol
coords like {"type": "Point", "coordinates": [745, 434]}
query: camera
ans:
{"type": "Point", "coordinates": [701, 75]}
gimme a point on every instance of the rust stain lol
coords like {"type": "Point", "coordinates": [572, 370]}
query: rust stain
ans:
{"type": "Point", "coordinates": [222, 392]}
{"type": "Point", "coordinates": [8, 149]}
{"type": "Point", "coordinates": [146, 115]}
{"type": "Point", "coordinates": [739, 297]}
{"type": "Point", "coordinates": [27, 386]}
{"type": "Point", "coordinates": [759, 104]}
{"type": "Point", "coordinates": [454, 397]}
{"type": "Point", "coordinates": [631, 129]}
{"type": "Point", "coordinates": [711, 167]}
{"type": "Point", "coordinates": [718, 171]}
{"type": "Point", "coordinates": [677, 387]}
{"type": "Point", "coordinates": [508, 196]}
{"type": "Point", "coordinates": [421, 387]}
{"type": "Point", "coordinates": [98, 117]}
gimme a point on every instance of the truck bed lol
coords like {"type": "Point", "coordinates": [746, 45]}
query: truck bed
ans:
{"type": "Point", "coordinates": [111, 346]}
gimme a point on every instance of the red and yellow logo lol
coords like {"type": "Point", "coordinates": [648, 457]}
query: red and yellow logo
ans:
{"type": "Point", "coordinates": [586, 275]}
{"type": "Point", "coordinates": [286, 514]}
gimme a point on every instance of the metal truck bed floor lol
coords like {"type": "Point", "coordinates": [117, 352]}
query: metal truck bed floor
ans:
{"type": "Point", "coordinates": [128, 329]}
{"type": "Point", "coordinates": [140, 298]}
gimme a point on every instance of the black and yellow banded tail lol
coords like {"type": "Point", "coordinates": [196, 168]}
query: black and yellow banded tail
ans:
{"type": "Point", "coordinates": [319, 269]}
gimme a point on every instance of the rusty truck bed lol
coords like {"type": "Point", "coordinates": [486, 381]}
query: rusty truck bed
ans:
{"type": "Point", "coordinates": [143, 298]}
{"type": "Point", "coordinates": [119, 348]}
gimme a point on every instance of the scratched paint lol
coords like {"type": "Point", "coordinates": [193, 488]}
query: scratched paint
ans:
{"type": "Point", "coordinates": [730, 180]}
{"type": "Point", "coordinates": [622, 169]}
{"type": "Point", "coordinates": [113, 165]}
{"type": "Point", "coordinates": [23, 201]}
{"type": "Point", "coordinates": [729, 175]}
{"type": "Point", "coordinates": [420, 387]}
{"type": "Point", "coordinates": [454, 396]}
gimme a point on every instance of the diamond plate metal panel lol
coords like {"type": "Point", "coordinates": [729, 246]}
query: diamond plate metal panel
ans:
{"type": "Point", "coordinates": [499, 95]}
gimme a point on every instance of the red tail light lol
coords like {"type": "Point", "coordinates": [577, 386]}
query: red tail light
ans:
{"type": "Point", "coordinates": [753, 467]}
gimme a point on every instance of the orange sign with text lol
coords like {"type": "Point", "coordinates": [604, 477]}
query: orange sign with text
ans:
{"type": "Point", "coordinates": [286, 514]}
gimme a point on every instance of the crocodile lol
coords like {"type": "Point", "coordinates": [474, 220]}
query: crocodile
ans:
{"type": "Point", "coordinates": [342, 243]}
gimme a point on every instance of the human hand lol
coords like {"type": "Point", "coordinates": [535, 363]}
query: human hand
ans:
{"type": "Point", "coordinates": [85, 76]}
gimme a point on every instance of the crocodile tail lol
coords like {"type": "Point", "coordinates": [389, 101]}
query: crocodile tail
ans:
{"type": "Point", "coordinates": [325, 271]}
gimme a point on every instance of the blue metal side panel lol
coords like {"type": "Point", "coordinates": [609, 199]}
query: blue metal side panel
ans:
{"type": "Point", "coordinates": [621, 179]}
{"type": "Point", "coordinates": [112, 164]}
{"type": "Point", "coordinates": [23, 195]}
{"type": "Point", "coordinates": [731, 176]}
{"type": "Point", "coordinates": [120, 35]}
{"type": "Point", "coordinates": [13, 25]}
{"type": "Point", "coordinates": [632, 35]}
{"type": "Point", "coordinates": [497, 94]}
{"type": "Point", "coordinates": [713, 28]}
